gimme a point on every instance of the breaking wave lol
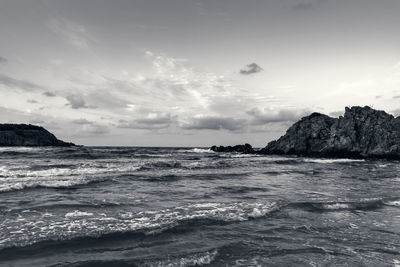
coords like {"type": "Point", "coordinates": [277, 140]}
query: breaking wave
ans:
{"type": "Point", "coordinates": [96, 223]}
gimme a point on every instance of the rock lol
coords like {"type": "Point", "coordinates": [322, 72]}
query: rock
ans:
{"type": "Point", "coordinates": [246, 148]}
{"type": "Point", "coordinates": [28, 135]}
{"type": "Point", "coordinates": [362, 132]}
{"type": "Point", "coordinates": [308, 135]}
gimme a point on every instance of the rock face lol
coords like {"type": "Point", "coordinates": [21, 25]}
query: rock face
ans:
{"type": "Point", "coordinates": [28, 135]}
{"type": "Point", "coordinates": [361, 133]}
{"type": "Point", "coordinates": [246, 148]}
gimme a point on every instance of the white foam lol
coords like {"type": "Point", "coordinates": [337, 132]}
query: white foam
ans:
{"type": "Point", "coordinates": [354, 226]}
{"type": "Point", "coordinates": [393, 203]}
{"type": "Point", "coordinates": [244, 155]}
{"type": "Point", "coordinates": [200, 150]}
{"type": "Point", "coordinates": [197, 259]}
{"type": "Point", "coordinates": [77, 213]}
{"type": "Point", "coordinates": [333, 160]}
{"type": "Point", "coordinates": [19, 149]}
{"type": "Point", "coordinates": [336, 206]}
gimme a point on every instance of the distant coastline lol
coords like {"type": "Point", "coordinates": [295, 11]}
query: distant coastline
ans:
{"type": "Point", "coordinates": [28, 135]}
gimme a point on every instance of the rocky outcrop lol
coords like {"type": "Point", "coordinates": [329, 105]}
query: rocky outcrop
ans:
{"type": "Point", "coordinates": [28, 135]}
{"type": "Point", "coordinates": [246, 148]}
{"type": "Point", "coordinates": [362, 132]}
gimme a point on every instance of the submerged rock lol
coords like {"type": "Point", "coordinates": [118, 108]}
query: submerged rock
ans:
{"type": "Point", "coordinates": [246, 148]}
{"type": "Point", "coordinates": [28, 135]}
{"type": "Point", "coordinates": [362, 132]}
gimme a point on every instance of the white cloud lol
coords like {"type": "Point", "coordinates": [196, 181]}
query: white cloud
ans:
{"type": "Point", "coordinates": [73, 33]}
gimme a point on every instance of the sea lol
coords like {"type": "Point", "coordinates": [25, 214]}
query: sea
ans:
{"type": "Point", "coordinates": [149, 206]}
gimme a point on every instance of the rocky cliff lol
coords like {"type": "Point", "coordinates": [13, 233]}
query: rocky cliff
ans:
{"type": "Point", "coordinates": [28, 135]}
{"type": "Point", "coordinates": [362, 132]}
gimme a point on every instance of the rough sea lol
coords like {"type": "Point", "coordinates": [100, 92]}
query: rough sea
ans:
{"type": "Point", "coordinates": [126, 206]}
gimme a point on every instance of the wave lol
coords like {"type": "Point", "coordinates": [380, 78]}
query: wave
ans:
{"type": "Point", "coordinates": [395, 203]}
{"type": "Point", "coordinates": [10, 185]}
{"type": "Point", "coordinates": [197, 150]}
{"type": "Point", "coordinates": [242, 189]}
{"type": "Point", "coordinates": [33, 227]}
{"type": "Point", "coordinates": [197, 259]}
{"type": "Point", "coordinates": [329, 161]}
{"type": "Point", "coordinates": [40, 167]}
{"type": "Point", "coordinates": [364, 204]}
{"type": "Point", "coordinates": [218, 164]}
{"type": "Point", "coordinates": [160, 165]}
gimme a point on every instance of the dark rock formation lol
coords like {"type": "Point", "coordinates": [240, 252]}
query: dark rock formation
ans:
{"type": "Point", "coordinates": [28, 135]}
{"type": "Point", "coordinates": [246, 148]}
{"type": "Point", "coordinates": [361, 133]}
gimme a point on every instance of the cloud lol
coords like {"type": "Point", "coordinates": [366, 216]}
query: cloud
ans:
{"type": "Point", "coordinates": [336, 113]}
{"type": "Point", "coordinates": [20, 84]}
{"type": "Point", "coordinates": [251, 69]}
{"type": "Point", "coordinates": [76, 101]}
{"type": "Point", "coordinates": [3, 60]}
{"type": "Point", "coordinates": [101, 98]}
{"type": "Point", "coordinates": [307, 5]}
{"type": "Point", "coordinates": [152, 121]}
{"type": "Point", "coordinates": [31, 101]}
{"type": "Point", "coordinates": [215, 123]}
{"type": "Point", "coordinates": [72, 32]}
{"type": "Point", "coordinates": [82, 122]}
{"type": "Point", "coordinates": [395, 112]}
{"type": "Point", "coordinates": [270, 116]}
{"type": "Point", "coordinates": [49, 94]}
{"type": "Point", "coordinates": [95, 129]}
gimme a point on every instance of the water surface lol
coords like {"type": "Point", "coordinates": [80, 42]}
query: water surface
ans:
{"type": "Point", "coordinates": [124, 206]}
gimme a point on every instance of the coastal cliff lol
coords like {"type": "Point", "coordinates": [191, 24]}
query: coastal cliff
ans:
{"type": "Point", "coordinates": [28, 135]}
{"type": "Point", "coordinates": [362, 132]}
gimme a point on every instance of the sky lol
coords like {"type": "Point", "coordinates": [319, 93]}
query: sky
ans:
{"type": "Point", "coordinates": [193, 72]}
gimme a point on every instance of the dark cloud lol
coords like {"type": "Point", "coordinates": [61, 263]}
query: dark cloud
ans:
{"type": "Point", "coordinates": [215, 123]}
{"type": "Point", "coordinates": [283, 115]}
{"type": "Point", "coordinates": [82, 122]}
{"type": "Point", "coordinates": [77, 101]}
{"type": "Point", "coordinates": [396, 97]}
{"type": "Point", "coordinates": [3, 60]}
{"type": "Point", "coordinates": [151, 122]}
{"type": "Point", "coordinates": [20, 84]}
{"type": "Point", "coordinates": [96, 99]}
{"type": "Point", "coordinates": [31, 101]}
{"type": "Point", "coordinates": [251, 69]}
{"type": "Point", "coordinates": [49, 94]}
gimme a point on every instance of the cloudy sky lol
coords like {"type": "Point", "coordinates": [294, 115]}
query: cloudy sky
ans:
{"type": "Point", "coordinates": [193, 72]}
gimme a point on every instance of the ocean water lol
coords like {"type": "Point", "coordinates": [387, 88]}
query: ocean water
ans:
{"type": "Point", "coordinates": [124, 206]}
